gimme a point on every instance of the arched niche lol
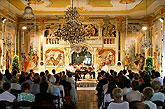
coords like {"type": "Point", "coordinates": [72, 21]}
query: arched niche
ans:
{"type": "Point", "coordinates": [82, 51]}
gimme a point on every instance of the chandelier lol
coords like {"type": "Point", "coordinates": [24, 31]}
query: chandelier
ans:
{"type": "Point", "coordinates": [146, 43]}
{"type": "Point", "coordinates": [72, 30]}
{"type": "Point", "coordinates": [28, 12]}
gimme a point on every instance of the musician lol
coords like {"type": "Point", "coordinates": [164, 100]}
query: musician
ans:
{"type": "Point", "coordinates": [104, 67]}
{"type": "Point", "coordinates": [92, 71]}
{"type": "Point", "coordinates": [83, 69]}
{"type": "Point", "coordinates": [71, 68]}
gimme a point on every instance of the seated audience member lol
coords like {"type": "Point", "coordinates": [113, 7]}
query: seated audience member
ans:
{"type": "Point", "coordinates": [35, 89]}
{"type": "Point", "coordinates": [147, 82]}
{"type": "Point", "coordinates": [43, 79]}
{"type": "Point", "coordinates": [136, 76]}
{"type": "Point", "coordinates": [53, 71]}
{"type": "Point", "coordinates": [131, 76]}
{"type": "Point", "coordinates": [29, 80]}
{"type": "Point", "coordinates": [127, 88]}
{"type": "Point", "coordinates": [148, 92]}
{"type": "Point", "coordinates": [36, 76]}
{"type": "Point", "coordinates": [73, 92]}
{"type": "Point", "coordinates": [103, 81]}
{"type": "Point", "coordinates": [46, 72]}
{"type": "Point", "coordinates": [22, 78]}
{"type": "Point", "coordinates": [158, 96]}
{"type": "Point", "coordinates": [105, 86]}
{"type": "Point", "coordinates": [43, 95]}
{"type": "Point", "coordinates": [26, 95]}
{"type": "Point", "coordinates": [118, 103]}
{"type": "Point", "coordinates": [14, 84]}
{"type": "Point", "coordinates": [134, 95]}
{"type": "Point", "coordinates": [108, 95]}
{"type": "Point", "coordinates": [63, 76]}
{"type": "Point", "coordinates": [158, 78]}
{"type": "Point", "coordinates": [42, 74]}
{"type": "Point", "coordinates": [140, 106]}
{"type": "Point", "coordinates": [52, 81]}
{"type": "Point", "coordinates": [8, 78]}
{"type": "Point", "coordinates": [57, 84]}
{"type": "Point", "coordinates": [6, 95]}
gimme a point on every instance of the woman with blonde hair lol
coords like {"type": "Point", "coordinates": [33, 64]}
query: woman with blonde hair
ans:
{"type": "Point", "coordinates": [118, 102]}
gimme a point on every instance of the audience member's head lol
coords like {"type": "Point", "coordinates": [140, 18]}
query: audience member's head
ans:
{"type": "Point", "coordinates": [130, 76]}
{"type": "Point", "coordinates": [43, 79]}
{"type": "Point", "coordinates": [52, 79]}
{"type": "Point", "coordinates": [57, 78]}
{"type": "Point", "coordinates": [53, 71]}
{"type": "Point", "coordinates": [127, 83]}
{"type": "Point", "coordinates": [36, 76]}
{"type": "Point", "coordinates": [8, 76]}
{"type": "Point", "coordinates": [48, 76]}
{"type": "Point", "coordinates": [14, 72]}
{"type": "Point", "coordinates": [29, 76]}
{"type": "Point", "coordinates": [147, 78]}
{"type": "Point", "coordinates": [135, 85]}
{"type": "Point", "coordinates": [42, 74]}
{"type": "Point", "coordinates": [136, 76]}
{"type": "Point", "coordinates": [31, 70]}
{"type": "Point", "coordinates": [117, 93]}
{"type": "Point", "coordinates": [156, 85]}
{"type": "Point", "coordinates": [22, 79]}
{"type": "Point", "coordinates": [111, 86]}
{"type": "Point", "coordinates": [69, 74]}
{"type": "Point", "coordinates": [14, 79]}
{"type": "Point", "coordinates": [140, 105]}
{"type": "Point", "coordinates": [111, 72]}
{"type": "Point", "coordinates": [63, 72]}
{"type": "Point", "coordinates": [46, 72]}
{"type": "Point", "coordinates": [148, 92]}
{"type": "Point", "coordinates": [103, 72]}
{"type": "Point", "coordinates": [153, 73]}
{"type": "Point", "coordinates": [43, 87]}
{"type": "Point", "coordinates": [106, 75]}
{"type": "Point", "coordinates": [25, 86]}
{"type": "Point", "coordinates": [6, 72]}
{"type": "Point", "coordinates": [129, 71]}
{"type": "Point", "coordinates": [6, 86]}
{"type": "Point", "coordinates": [157, 74]}
{"type": "Point", "coordinates": [36, 81]}
{"type": "Point", "coordinates": [124, 72]}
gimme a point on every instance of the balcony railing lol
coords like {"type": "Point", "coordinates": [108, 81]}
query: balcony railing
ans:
{"type": "Point", "coordinates": [52, 40]}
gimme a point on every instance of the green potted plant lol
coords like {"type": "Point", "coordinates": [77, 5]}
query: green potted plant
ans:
{"type": "Point", "coordinates": [149, 64]}
{"type": "Point", "coordinates": [15, 64]}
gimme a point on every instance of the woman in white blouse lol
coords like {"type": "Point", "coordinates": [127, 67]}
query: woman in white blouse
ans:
{"type": "Point", "coordinates": [118, 102]}
{"type": "Point", "coordinates": [108, 95]}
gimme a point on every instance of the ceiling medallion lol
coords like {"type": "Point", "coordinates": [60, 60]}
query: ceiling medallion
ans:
{"type": "Point", "coordinates": [72, 29]}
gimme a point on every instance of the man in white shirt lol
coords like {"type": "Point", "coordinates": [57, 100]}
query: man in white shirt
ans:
{"type": "Point", "coordinates": [134, 95]}
{"type": "Point", "coordinates": [92, 71]}
{"type": "Point", "coordinates": [71, 68]}
{"type": "Point", "coordinates": [104, 68]}
{"type": "Point", "coordinates": [6, 95]}
{"type": "Point", "coordinates": [158, 78]}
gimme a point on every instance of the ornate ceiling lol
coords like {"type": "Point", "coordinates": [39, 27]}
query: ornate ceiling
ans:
{"type": "Point", "coordinates": [111, 8]}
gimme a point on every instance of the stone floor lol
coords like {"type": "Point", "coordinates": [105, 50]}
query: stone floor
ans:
{"type": "Point", "coordinates": [87, 99]}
